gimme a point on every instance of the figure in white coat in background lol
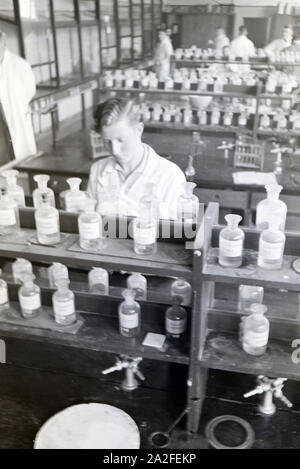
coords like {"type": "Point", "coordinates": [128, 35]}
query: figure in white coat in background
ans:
{"type": "Point", "coordinates": [241, 46]}
{"type": "Point", "coordinates": [17, 88]}
{"type": "Point", "coordinates": [118, 181]}
{"type": "Point", "coordinates": [282, 43]}
{"type": "Point", "coordinates": [221, 40]}
{"type": "Point", "coordinates": [162, 56]}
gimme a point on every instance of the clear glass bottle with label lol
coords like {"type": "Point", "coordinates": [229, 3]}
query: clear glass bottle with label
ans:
{"type": "Point", "coordinates": [271, 246]}
{"type": "Point", "coordinates": [255, 334]}
{"type": "Point", "coordinates": [129, 315]}
{"type": "Point", "coordinates": [249, 294]}
{"type": "Point", "coordinates": [90, 227]}
{"type": "Point", "coordinates": [138, 283]}
{"type": "Point", "coordinates": [215, 117]}
{"type": "Point", "coordinates": [188, 204]}
{"type": "Point", "coordinates": [63, 302]}
{"type": "Point", "coordinates": [56, 272]}
{"type": "Point", "coordinates": [42, 193]}
{"type": "Point", "coordinates": [175, 322]}
{"type": "Point", "coordinates": [20, 268]}
{"type": "Point", "coordinates": [231, 242]}
{"type": "Point", "coordinates": [265, 121]}
{"type": "Point", "coordinates": [182, 290]}
{"type": "Point", "coordinates": [4, 300]}
{"type": "Point", "coordinates": [270, 207]}
{"type": "Point", "coordinates": [145, 225]}
{"type": "Point", "coordinates": [30, 297]}
{"type": "Point", "coordinates": [47, 224]}
{"type": "Point", "coordinates": [74, 198]}
{"type": "Point", "coordinates": [98, 279]}
{"type": "Point", "coordinates": [14, 191]}
{"type": "Point", "coordinates": [9, 216]}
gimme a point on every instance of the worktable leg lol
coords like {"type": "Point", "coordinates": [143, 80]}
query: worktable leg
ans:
{"type": "Point", "coordinates": [196, 398]}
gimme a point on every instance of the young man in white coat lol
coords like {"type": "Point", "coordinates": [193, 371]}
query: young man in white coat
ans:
{"type": "Point", "coordinates": [118, 181]}
{"type": "Point", "coordinates": [17, 88]}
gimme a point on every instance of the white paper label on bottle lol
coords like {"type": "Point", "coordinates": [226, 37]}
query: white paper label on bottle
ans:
{"type": "Point", "coordinates": [256, 339]}
{"type": "Point", "coordinates": [30, 302]}
{"type": "Point", "coordinates": [129, 321]}
{"type": "Point", "coordinates": [7, 217]}
{"type": "Point", "coordinates": [3, 296]}
{"type": "Point", "coordinates": [175, 327]}
{"type": "Point", "coordinates": [67, 308]}
{"type": "Point", "coordinates": [231, 248]}
{"type": "Point", "coordinates": [47, 226]}
{"type": "Point", "coordinates": [270, 251]}
{"type": "Point", "coordinates": [144, 236]}
{"type": "Point", "coordinates": [89, 230]}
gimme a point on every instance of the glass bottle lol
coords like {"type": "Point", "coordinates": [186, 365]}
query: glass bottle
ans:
{"type": "Point", "coordinates": [149, 201]}
{"type": "Point", "coordinates": [56, 272]}
{"type": "Point", "coordinates": [249, 294]}
{"type": "Point", "coordinates": [98, 281]}
{"type": "Point", "coordinates": [138, 283]}
{"type": "Point", "coordinates": [129, 315]}
{"type": "Point", "coordinates": [256, 330]}
{"type": "Point", "coordinates": [9, 215]}
{"type": "Point", "coordinates": [231, 242]}
{"type": "Point", "coordinates": [215, 117]}
{"type": "Point", "coordinates": [47, 224]}
{"type": "Point", "coordinates": [175, 322]}
{"type": "Point", "coordinates": [271, 246]}
{"type": "Point", "coordinates": [42, 193]}
{"type": "Point", "coordinates": [270, 207]}
{"type": "Point", "coordinates": [4, 301]}
{"type": "Point", "coordinates": [14, 191]}
{"type": "Point", "coordinates": [265, 121]}
{"type": "Point", "coordinates": [190, 169]}
{"type": "Point", "coordinates": [90, 226]}
{"type": "Point", "coordinates": [202, 117]}
{"type": "Point", "coordinates": [74, 198]}
{"type": "Point", "coordinates": [242, 119]}
{"type": "Point", "coordinates": [30, 297]}
{"type": "Point", "coordinates": [20, 268]}
{"type": "Point", "coordinates": [63, 302]}
{"type": "Point", "coordinates": [144, 235]}
{"type": "Point", "coordinates": [188, 204]}
{"type": "Point", "coordinates": [227, 119]}
{"type": "Point", "coordinates": [182, 289]}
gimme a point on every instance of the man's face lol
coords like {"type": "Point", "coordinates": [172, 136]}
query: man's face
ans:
{"type": "Point", "coordinates": [123, 139]}
{"type": "Point", "coordinates": [220, 32]}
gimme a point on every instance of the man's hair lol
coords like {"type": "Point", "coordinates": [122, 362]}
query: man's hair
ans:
{"type": "Point", "coordinates": [114, 109]}
{"type": "Point", "coordinates": [243, 29]}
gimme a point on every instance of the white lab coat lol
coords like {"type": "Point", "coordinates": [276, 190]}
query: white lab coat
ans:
{"type": "Point", "coordinates": [162, 56]}
{"type": "Point", "coordinates": [17, 88]}
{"type": "Point", "coordinates": [220, 42]}
{"type": "Point", "coordinates": [116, 193]}
{"type": "Point", "coordinates": [277, 46]}
{"type": "Point", "coordinates": [242, 47]}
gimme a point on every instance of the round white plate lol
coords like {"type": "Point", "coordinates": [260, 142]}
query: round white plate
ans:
{"type": "Point", "coordinates": [89, 426]}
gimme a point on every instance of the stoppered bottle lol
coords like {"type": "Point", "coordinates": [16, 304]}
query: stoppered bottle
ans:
{"type": "Point", "coordinates": [57, 272]}
{"type": "Point", "coordinates": [271, 246]}
{"type": "Point", "coordinates": [270, 207]}
{"type": "Point", "coordinates": [231, 242]}
{"type": "Point", "coordinates": [98, 279]}
{"type": "Point", "coordinates": [9, 215]}
{"type": "Point", "coordinates": [175, 322]}
{"type": "Point", "coordinates": [29, 297]}
{"type": "Point", "coordinates": [90, 226]}
{"type": "Point", "coordinates": [255, 331]}
{"type": "Point", "coordinates": [4, 299]}
{"type": "Point", "coordinates": [20, 268]}
{"type": "Point", "coordinates": [47, 223]}
{"type": "Point", "coordinates": [188, 204]}
{"type": "Point", "coordinates": [138, 283]}
{"type": "Point", "coordinates": [43, 193]}
{"type": "Point", "coordinates": [14, 191]}
{"type": "Point", "coordinates": [129, 315]}
{"type": "Point", "coordinates": [63, 303]}
{"type": "Point", "coordinates": [74, 198]}
{"type": "Point", "coordinates": [182, 290]}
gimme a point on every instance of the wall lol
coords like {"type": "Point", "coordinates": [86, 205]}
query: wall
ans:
{"type": "Point", "coordinates": [251, 12]}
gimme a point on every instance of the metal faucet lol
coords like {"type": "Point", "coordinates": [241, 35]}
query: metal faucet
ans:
{"type": "Point", "coordinates": [270, 387]}
{"type": "Point", "coordinates": [226, 147]}
{"type": "Point", "coordinates": [130, 364]}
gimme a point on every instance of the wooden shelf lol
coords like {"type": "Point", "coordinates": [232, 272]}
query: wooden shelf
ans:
{"type": "Point", "coordinates": [283, 133]}
{"type": "Point", "coordinates": [196, 127]}
{"type": "Point", "coordinates": [100, 334]}
{"type": "Point", "coordinates": [181, 92]}
{"type": "Point", "coordinates": [223, 351]}
{"type": "Point", "coordinates": [249, 273]}
{"type": "Point", "coordinates": [117, 255]}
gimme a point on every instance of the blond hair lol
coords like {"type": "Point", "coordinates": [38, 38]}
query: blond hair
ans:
{"type": "Point", "coordinates": [114, 109]}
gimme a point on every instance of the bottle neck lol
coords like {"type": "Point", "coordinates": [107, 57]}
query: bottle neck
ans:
{"type": "Point", "coordinates": [273, 195]}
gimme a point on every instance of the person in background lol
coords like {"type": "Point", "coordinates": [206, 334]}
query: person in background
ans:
{"type": "Point", "coordinates": [162, 56]}
{"type": "Point", "coordinates": [281, 44]}
{"type": "Point", "coordinates": [241, 46]}
{"type": "Point", "coordinates": [132, 164]}
{"type": "Point", "coordinates": [17, 88]}
{"type": "Point", "coordinates": [175, 36]}
{"type": "Point", "coordinates": [295, 47]}
{"type": "Point", "coordinates": [221, 40]}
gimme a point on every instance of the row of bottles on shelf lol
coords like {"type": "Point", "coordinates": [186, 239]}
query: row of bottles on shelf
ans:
{"type": "Point", "coordinates": [287, 82]}
{"type": "Point", "coordinates": [90, 227]}
{"type": "Point", "coordinates": [63, 299]}
{"type": "Point", "coordinates": [270, 218]}
{"type": "Point", "coordinates": [195, 52]}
